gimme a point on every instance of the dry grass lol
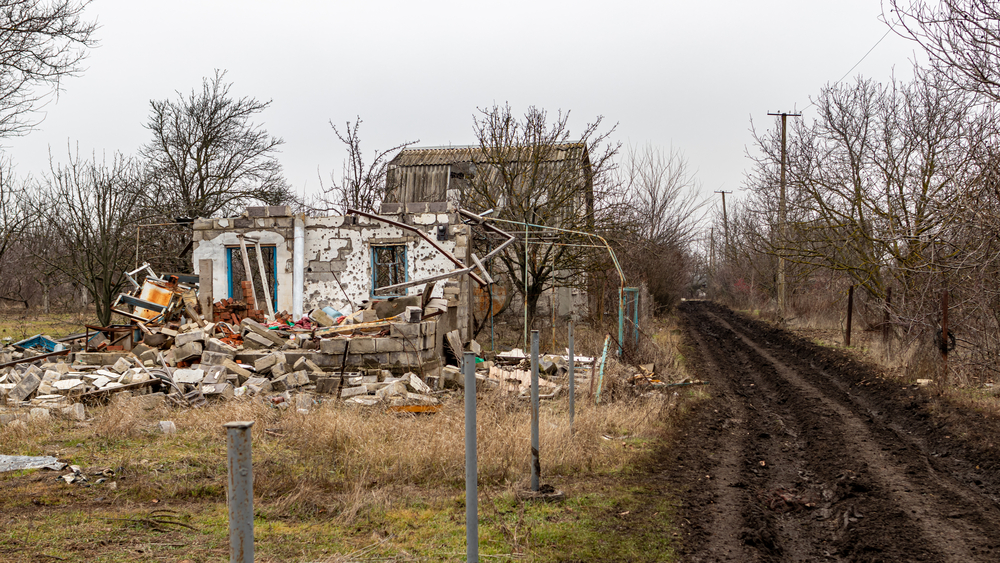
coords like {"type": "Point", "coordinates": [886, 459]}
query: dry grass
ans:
{"type": "Point", "coordinates": [344, 460]}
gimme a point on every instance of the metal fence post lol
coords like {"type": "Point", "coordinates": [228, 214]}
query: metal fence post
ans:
{"type": "Point", "coordinates": [471, 468]}
{"type": "Point", "coordinates": [240, 491]}
{"type": "Point", "coordinates": [572, 383]}
{"type": "Point", "coordinates": [535, 465]}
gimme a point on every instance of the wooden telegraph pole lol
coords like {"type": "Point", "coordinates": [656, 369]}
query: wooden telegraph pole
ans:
{"type": "Point", "coordinates": [725, 223]}
{"type": "Point", "coordinates": [782, 214]}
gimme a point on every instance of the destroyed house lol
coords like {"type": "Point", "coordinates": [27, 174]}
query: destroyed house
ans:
{"type": "Point", "coordinates": [447, 173]}
{"type": "Point", "coordinates": [453, 174]}
{"type": "Point", "coordinates": [340, 262]}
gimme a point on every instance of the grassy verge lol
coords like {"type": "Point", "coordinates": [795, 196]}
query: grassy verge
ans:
{"type": "Point", "coordinates": [340, 484]}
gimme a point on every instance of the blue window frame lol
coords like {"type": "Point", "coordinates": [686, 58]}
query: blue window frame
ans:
{"type": "Point", "coordinates": [235, 273]}
{"type": "Point", "coordinates": [388, 268]}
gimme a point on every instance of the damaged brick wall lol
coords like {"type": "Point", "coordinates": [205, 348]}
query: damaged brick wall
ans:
{"type": "Point", "coordinates": [339, 248]}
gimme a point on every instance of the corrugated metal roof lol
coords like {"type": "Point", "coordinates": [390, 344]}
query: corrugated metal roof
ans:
{"type": "Point", "coordinates": [434, 156]}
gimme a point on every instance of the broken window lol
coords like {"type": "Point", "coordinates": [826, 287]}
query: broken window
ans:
{"type": "Point", "coordinates": [237, 273]}
{"type": "Point", "coordinates": [388, 268]}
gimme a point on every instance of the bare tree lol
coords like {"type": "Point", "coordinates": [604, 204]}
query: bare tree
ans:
{"type": "Point", "coordinates": [661, 220]}
{"type": "Point", "coordinates": [208, 156]}
{"type": "Point", "coordinates": [361, 186]}
{"type": "Point", "coordinates": [537, 174]}
{"type": "Point", "coordinates": [961, 37]}
{"type": "Point", "coordinates": [94, 207]}
{"type": "Point", "coordinates": [40, 43]}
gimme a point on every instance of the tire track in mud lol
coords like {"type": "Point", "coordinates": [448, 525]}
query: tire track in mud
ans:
{"type": "Point", "coordinates": [794, 460]}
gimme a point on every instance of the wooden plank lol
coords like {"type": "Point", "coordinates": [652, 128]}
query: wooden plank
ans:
{"type": "Point", "coordinates": [345, 329]}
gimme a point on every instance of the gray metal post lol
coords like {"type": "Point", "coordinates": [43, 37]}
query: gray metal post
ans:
{"type": "Point", "coordinates": [572, 383]}
{"type": "Point", "coordinates": [240, 491]}
{"type": "Point", "coordinates": [535, 465]}
{"type": "Point", "coordinates": [471, 469]}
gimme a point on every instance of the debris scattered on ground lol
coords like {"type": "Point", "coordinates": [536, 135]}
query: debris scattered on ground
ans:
{"type": "Point", "coordinates": [20, 462]}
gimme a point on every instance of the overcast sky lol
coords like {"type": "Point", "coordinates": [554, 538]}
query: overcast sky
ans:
{"type": "Point", "coordinates": [687, 74]}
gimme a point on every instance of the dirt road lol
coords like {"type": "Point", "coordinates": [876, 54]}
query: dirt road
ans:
{"type": "Point", "coordinates": [804, 455]}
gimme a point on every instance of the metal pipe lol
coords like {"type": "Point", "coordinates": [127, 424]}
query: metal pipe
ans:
{"type": "Point", "coordinates": [535, 465]}
{"type": "Point", "coordinates": [850, 315]}
{"type": "Point", "coordinates": [471, 469]}
{"type": "Point", "coordinates": [298, 267]}
{"type": "Point", "coordinates": [240, 491]}
{"type": "Point", "coordinates": [572, 383]}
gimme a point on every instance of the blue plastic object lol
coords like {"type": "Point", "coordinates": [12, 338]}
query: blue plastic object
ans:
{"type": "Point", "coordinates": [40, 341]}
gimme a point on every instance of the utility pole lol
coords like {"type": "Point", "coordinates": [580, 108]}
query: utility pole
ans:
{"type": "Point", "coordinates": [725, 221]}
{"type": "Point", "coordinates": [782, 213]}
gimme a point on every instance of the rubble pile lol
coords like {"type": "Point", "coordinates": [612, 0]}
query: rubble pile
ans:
{"type": "Point", "coordinates": [361, 359]}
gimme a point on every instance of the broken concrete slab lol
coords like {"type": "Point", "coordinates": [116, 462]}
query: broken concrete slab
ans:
{"type": "Point", "coordinates": [216, 345]}
{"type": "Point", "coordinates": [121, 366]}
{"type": "Point", "coordinates": [269, 361]}
{"type": "Point", "coordinates": [217, 391]}
{"type": "Point", "coordinates": [187, 352]}
{"type": "Point", "coordinates": [28, 385]}
{"type": "Point", "coordinates": [76, 411]}
{"type": "Point", "coordinates": [353, 391]}
{"type": "Point", "coordinates": [254, 341]}
{"type": "Point", "coordinates": [99, 358]}
{"type": "Point", "coordinates": [396, 388]}
{"type": "Point", "coordinates": [188, 376]}
{"type": "Point", "coordinates": [414, 382]}
{"type": "Point", "coordinates": [260, 384]}
{"type": "Point", "coordinates": [187, 337]}
{"type": "Point", "coordinates": [209, 358]}
{"type": "Point", "coordinates": [262, 330]}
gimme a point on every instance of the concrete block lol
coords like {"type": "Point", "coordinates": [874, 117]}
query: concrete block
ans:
{"type": "Point", "coordinates": [353, 391]}
{"type": "Point", "coordinates": [218, 391]}
{"type": "Point", "coordinates": [301, 377]}
{"type": "Point", "coordinates": [413, 314]}
{"type": "Point", "coordinates": [335, 346]}
{"type": "Point", "coordinates": [394, 389]}
{"type": "Point", "coordinates": [388, 344]}
{"type": "Point", "coordinates": [322, 318]}
{"type": "Point", "coordinates": [414, 382]}
{"type": "Point", "coordinates": [327, 385]}
{"type": "Point", "coordinates": [121, 366]}
{"type": "Point", "coordinates": [280, 383]}
{"type": "Point", "coordinates": [186, 337]}
{"type": "Point", "coordinates": [261, 383]}
{"type": "Point", "coordinates": [98, 358]}
{"type": "Point", "coordinates": [304, 402]}
{"type": "Point", "coordinates": [209, 358]}
{"type": "Point", "coordinates": [269, 361]}
{"type": "Point", "coordinates": [279, 369]}
{"type": "Point", "coordinates": [187, 352]}
{"type": "Point", "coordinates": [216, 345]}
{"type": "Point", "coordinates": [214, 374]}
{"type": "Point", "coordinates": [254, 341]}
{"type": "Point", "coordinates": [362, 346]}
{"type": "Point", "coordinates": [189, 376]}
{"type": "Point", "coordinates": [233, 367]}
{"type": "Point", "coordinates": [404, 330]}
{"type": "Point", "coordinates": [76, 411]}
{"type": "Point", "coordinates": [262, 330]}
{"type": "Point", "coordinates": [28, 385]}
{"type": "Point", "coordinates": [38, 414]}
{"type": "Point", "coordinates": [403, 359]}
{"type": "Point", "coordinates": [150, 401]}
